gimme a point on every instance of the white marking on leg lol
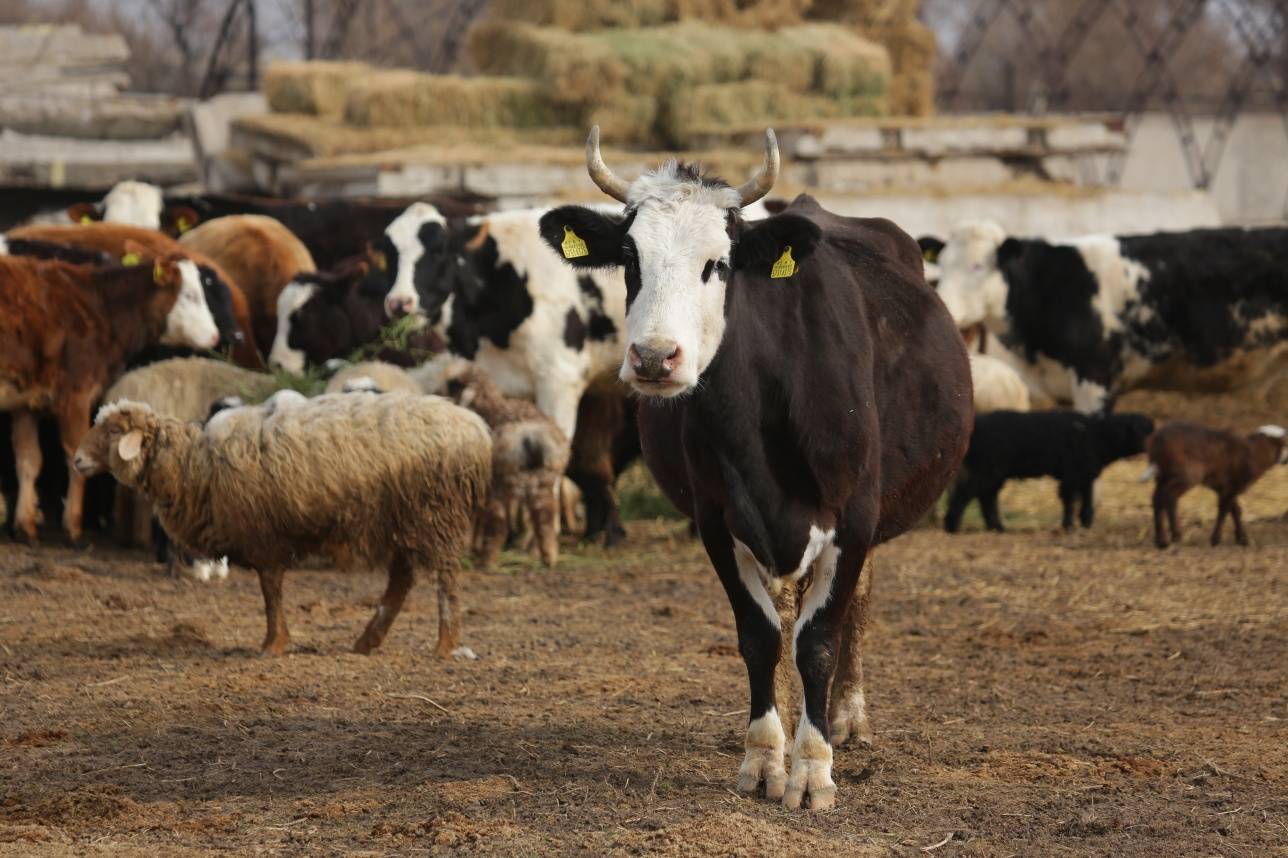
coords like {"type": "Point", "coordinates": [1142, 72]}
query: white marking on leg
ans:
{"type": "Point", "coordinates": [811, 769]}
{"type": "Point", "coordinates": [755, 578]}
{"type": "Point", "coordinates": [820, 588]}
{"type": "Point", "coordinates": [765, 746]}
{"type": "Point", "coordinates": [289, 301]}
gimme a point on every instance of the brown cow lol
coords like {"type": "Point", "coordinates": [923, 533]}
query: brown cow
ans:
{"type": "Point", "coordinates": [262, 255]}
{"type": "Point", "coordinates": [66, 331]}
{"type": "Point", "coordinates": [232, 314]}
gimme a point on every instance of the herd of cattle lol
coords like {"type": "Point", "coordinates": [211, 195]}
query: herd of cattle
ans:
{"type": "Point", "coordinates": [803, 386]}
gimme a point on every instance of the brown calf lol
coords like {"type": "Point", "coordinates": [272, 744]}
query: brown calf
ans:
{"type": "Point", "coordinates": [1184, 455]}
{"type": "Point", "coordinates": [262, 255]}
{"type": "Point", "coordinates": [110, 238]}
{"type": "Point", "coordinates": [66, 331]}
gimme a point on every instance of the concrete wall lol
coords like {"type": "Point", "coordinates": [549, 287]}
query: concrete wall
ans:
{"type": "Point", "coordinates": [1251, 183]}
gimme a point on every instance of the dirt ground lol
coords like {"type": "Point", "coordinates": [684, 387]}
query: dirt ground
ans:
{"type": "Point", "coordinates": [1033, 693]}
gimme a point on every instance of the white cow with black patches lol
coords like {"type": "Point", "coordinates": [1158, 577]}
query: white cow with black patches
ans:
{"type": "Point", "coordinates": [498, 295]}
{"type": "Point", "coordinates": [1088, 318]}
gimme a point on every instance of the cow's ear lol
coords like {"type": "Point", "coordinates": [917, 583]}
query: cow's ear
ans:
{"type": "Point", "coordinates": [583, 237]}
{"type": "Point", "coordinates": [1008, 251]}
{"type": "Point", "coordinates": [84, 212]}
{"type": "Point", "coordinates": [176, 220]}
{"type": "Point", "coordinates": [763, 244]}
{"type": "Point", "coordinates": [931, 247]}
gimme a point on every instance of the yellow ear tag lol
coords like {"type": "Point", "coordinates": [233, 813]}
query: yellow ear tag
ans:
{"type": "Point", "coordinates": [572, 245]}
{"type": "Point", "coordinates": [86, 219]}
{"type": "Point", "coordinates": [183, 224]}
{"type": "Point", "coordinates": [158, 273]}
{"type": "Point", "coordinates": [929, 255]}
{"type": "Point", "coordinates": [785, 266]}
{"type": "Point", "coordinates": [382, 262]}
{"type": "Point", "coordinates": [129, 260]}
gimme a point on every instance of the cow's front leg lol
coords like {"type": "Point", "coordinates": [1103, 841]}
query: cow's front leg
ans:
{"type": "Point", "coordinates": [759, 636]}
{"type": "Point", "coordinates": [817, 635]}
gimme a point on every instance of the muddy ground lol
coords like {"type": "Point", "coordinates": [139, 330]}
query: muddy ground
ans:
{"type": "Point", "coordinates": [1033, 694]}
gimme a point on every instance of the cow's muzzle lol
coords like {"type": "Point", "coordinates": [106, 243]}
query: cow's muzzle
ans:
{"type": "Point", "coordinates": [654, 360]}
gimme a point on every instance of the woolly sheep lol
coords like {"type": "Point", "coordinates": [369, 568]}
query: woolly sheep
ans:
{"type": "Point", "coordinates": [529, 456]}
{"type": "Point", "coordinates": [372, 376]}
{"type": "Point", "coordinates": [307, 480]}
{"type": "Point", "coordinates": [997, 386]}
{"type": "Point", "coordinates": [184, 388]}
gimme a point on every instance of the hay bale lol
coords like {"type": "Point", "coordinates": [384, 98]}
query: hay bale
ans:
{"type": "Point", "coordinates": [628, 120]}
{"type": "Point", "coordinates": [719, 107]}
{"type": "Point", "coordinates": [662, 60]}
{"type": "Point", "coordinates": [312, 88]}
{"type": "Point", "coordinates": [406, 99]}
{"type": "Point", "coordinates": [582, 15]}
{"type": "Point", "coordinates": [895, 26]}
{"type": "Point", "coordinates": [575, 71]}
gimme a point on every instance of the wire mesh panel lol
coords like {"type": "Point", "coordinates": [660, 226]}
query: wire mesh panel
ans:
{"type": "Point", "coordinates": [1208, 60]}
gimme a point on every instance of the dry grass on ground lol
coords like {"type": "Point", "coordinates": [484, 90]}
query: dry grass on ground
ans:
{"type": "Point", "coordinates": [1033, 693]}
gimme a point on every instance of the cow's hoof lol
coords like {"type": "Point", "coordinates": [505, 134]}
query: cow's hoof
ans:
{"type": "Point", "coordinates": [272, 648]}
{"type": "Point", "coordinates": [614, 538]}
{"type": "Point", "coordinates": [763, 762]}
{"type": "Point", "coordinates": [811, 775]}
{"type": "Point", "coordinates": [810, 779]}
{"type": "Point", "coordinates": [850, 721]}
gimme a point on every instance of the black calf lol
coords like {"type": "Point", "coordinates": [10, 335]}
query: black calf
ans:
{"type": "Point", "coordinates": [1074, 448]}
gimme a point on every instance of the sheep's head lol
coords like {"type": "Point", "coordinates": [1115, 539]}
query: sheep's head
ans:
{"type": "Point", "coordinates": [462, 382]}
{"type": "Point", "coordinates": [118, 442]}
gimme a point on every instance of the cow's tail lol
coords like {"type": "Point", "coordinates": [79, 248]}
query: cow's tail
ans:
{"type": "Point", "coordinates": [1149, 473]}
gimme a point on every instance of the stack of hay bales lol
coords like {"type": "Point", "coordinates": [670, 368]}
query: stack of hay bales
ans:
{"type": "Point", "coordinates": [893, 24]}
{"type": "Point", "coordinates": [668, 84]}
{"type": "Point", "coordinates": [651, 73]}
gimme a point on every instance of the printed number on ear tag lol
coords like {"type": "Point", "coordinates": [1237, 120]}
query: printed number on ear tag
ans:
{"type": "Point", "coordinates": [572, 245]}
{"type": "Point", "coordinates": [785, 266]}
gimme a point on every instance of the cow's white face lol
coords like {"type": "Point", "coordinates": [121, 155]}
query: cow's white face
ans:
{"type": "Point", "coordinates": [970, 284]}
{"type": "Point", "coordinates": [289, 301]}
{"type": "Point", "coordinates": [400, 253]}
{"type": "Point", "coordinates": [133, 203]}
{"type": "Point", "coordinates": [676, 257]}
{"type": "Point", "coordinates": [190, 322]}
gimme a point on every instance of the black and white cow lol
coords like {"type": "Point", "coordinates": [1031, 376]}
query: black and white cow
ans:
{"type": "Point", "coordinates": [805, 398]}
{"type": "Point", "coordinates": [497, 295]}
{"type": "Point", "coordinates": [1088, 318]}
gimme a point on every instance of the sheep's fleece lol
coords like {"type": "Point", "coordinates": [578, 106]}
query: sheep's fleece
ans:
{"type": "Point", "coordinates": [186, 387]}
{"type": "Point", "coordinates": [358, 477]}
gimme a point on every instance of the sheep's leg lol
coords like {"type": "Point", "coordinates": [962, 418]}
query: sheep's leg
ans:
{"type": "Point", "coordinates": [848, 708]}
{"type": "Point", "coordinates": [25, 437]}
{"type": "Point", "coordinates": [1222, 508]}
{"type": "Point", "coordinates": [544, 512]}
{"type": "Point", "coordinates": [277, 637]}
{"type": "Point", "coordinates": [401, 578]}
{"type": "Point", "coordinates": [142, 522]}
{"type": "Point", "coordinates": [123, 515]}
{"type": "Point", "coordinates": [449, 615]}
{"type": "Point", "coordinates": [1236, 512]}
{"type": "Point", "coordinates": [492, 526]}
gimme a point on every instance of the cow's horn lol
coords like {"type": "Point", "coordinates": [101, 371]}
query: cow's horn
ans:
{"type": "Point", "coordinates": [599, 172]}
{"type": "Point", "coordinates": [761, 183]}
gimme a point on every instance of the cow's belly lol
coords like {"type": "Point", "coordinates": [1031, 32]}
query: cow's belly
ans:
{"type": "Point", "coordinates": [13, 397]}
